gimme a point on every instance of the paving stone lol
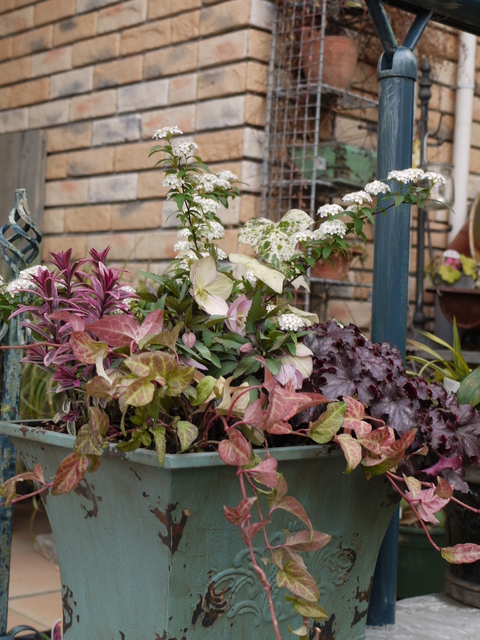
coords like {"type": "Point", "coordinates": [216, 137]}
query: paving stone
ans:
{"type": "Point", "coordinates": [434, 617]}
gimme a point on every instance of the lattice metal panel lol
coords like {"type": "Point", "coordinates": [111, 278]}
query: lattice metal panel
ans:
{"type": "Point", "coordinates": [299, 109]}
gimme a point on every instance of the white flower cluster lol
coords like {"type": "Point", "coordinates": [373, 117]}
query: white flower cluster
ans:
{"type": "Point", "coordinates": [172, 181]}
{"type": "Point", "coordinates": [303, 236]}
{"type": "Point", "coordinates": [436, 179]}
{"type": "Point", "coordinates": [406, 175]}
{"type": "Point", "coordinates": [331, 228]}
{"type": "Point", "coordinates": [211, 230]}
{"type": "Point", "coordinates": [167, 132]}
{"type": "Point", "coordinates": [24, 280]}
{"type": "Point", "coordinates": [227, 175]}
{"type": "Point", "coordinates": [376, 187]}
{"type": "Point", "coordinates": [358, 198]}
{"type": "Point", "coordinates": [329, 210]}
{"type": "Point", "coordinates": [208, 205]}
{"type": "Point", "coordinates": [290, 322]}
{"type": "Point", "coordinates": [184, 148]}
{"type": "Point", "coordinates": [208, 182]}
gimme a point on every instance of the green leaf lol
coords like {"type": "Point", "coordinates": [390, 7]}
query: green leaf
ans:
{"type": "Point", "coordinates": [255, 311]}
{"type": "Point", "coordinates": [328, 424]}
{"type": "Point", "coordinates": [310, 610]}
{"type": "Point", "coordinates": [139, 393]}
{"type": "Point", "coordinates": [204, 389]}
{"type": "Point", "coordinates": [178, 380]}
{"type": "Point", "coordinates": [296, 579]}
{"type": "Point", "coordinates": [469, 390]}
{"type": "Point", "coordinates": [273, 365]}
{"type": "Point", "coordinates": [160, 443]}
{"type": "Point", "coordinates": [87, 443]}
{"type": "Point", "coordinates": [187, 433]}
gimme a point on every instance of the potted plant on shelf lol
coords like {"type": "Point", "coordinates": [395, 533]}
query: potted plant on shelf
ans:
{"type": "Point", "coordinates": [454, 280]}
{"type": "Point", "coordinates": [339, 46]}
{"type": "Point", "coordinates": [169, 387]}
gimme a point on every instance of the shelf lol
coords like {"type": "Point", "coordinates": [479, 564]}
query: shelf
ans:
{"type": "Point", "coordinates": [347, 100]}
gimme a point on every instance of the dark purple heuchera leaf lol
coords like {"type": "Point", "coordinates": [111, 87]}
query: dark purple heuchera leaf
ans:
{"type": "Point", "coordinates": [346, 363]}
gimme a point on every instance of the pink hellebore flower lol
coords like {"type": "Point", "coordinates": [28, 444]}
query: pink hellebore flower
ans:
{"type": "Point", "coordinates": [296, 368]}
{"type": "Point", "coordinates": [189, 339]}
{"type": "Point", "coordinates": [210, 289]}
{"type": "Point", "coordinates": [237, 314]}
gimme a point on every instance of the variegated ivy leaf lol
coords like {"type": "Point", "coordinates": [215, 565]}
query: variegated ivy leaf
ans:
{"type": "Point", "coordinates": [187, 433]}
{"type": "Point", "coordinates": [70, 473]}
{"type": "Point", "coordinates": [272, 241]}
{"type": "Point", "coordinates": [160, 443]}
{"type": "Point", "coordinates": [296, 579]}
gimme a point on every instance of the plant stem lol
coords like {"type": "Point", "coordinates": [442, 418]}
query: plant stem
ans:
{"type": "Point", "coordinates": [260, 573]}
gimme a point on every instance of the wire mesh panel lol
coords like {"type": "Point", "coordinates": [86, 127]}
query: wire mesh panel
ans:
{"type": "Point", "coordinates": [303, 166]}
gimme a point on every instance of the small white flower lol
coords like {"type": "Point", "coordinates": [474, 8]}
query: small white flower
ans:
{"type": "Point", "coordinates": [290, 322]}
{"type": "Point", "coordinates": [329, 210]}
{"type": "Point", "coordinates": [436, 179]}
{"type": "Point", "coordinates": [331, 228]}
{"type": "Point", "coordinates": [250, 276]}
{"type": "Point", "coordinates": [182, 245]}
{"type": "Point", "coordinates": [227, 175]}
{"type": "Point", "coordinates": [208, 205]}
{"type": "Point", "coordinates": [183, 233]}
{"type": "Point", "coordinates": [184, 148]}
{"type": "Point", "coordinates": [270, 307]}
{"type": "Point", "coordinates": [166, 132]}
{"type": "Point", "coordinates": [303, 236]}
{"type": "Point", "coordinates": [221, 254]}
{"type": "Point", "coordinates": [173, 181]}
{"type": "Point", "coordinates": [376, 187]}
{"type": "Point", "coordinates": [358, 197]}
{"type": "Point", "coordinates": [406, 175]}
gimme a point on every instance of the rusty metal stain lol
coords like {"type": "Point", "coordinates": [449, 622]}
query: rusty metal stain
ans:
{"type": "Point", "coordinates": [135, 474]}
{"type": "Point", "coordinates": [67, 608]}
{"type": "Point", "coordinates": [88, 492]}
{"type": "Point", "coordinates": [324, 632]}
{"type": "Point", "coordinates": [174, 529]}
{"type": "Point", "coordinates": [210, 606]}
{"type": "Point", "coordinates": [358, 615]}
{"type": "Point", "coordinates": [364, 596]}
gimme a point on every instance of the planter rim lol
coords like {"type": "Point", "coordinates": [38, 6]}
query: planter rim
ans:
{"type": "Point", "coordinates": [21, 429]}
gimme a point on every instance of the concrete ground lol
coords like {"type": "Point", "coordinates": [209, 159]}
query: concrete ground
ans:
{"type": "Point", "coordinates": [435, 617]}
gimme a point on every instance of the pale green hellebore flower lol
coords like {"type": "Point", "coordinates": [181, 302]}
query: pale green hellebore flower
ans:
{"type": "Point", "coordinates": [210, 289]}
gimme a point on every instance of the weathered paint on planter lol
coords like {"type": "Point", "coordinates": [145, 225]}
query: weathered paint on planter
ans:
{"type": "Point", "coordinates": [146, 553]}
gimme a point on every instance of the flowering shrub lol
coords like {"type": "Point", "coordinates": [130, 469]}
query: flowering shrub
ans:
{"type": "Point", "coordinates": [210, 359]}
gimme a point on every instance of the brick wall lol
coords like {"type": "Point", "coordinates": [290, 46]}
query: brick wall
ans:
{"type": "Point", "coordinates": [101, 76]}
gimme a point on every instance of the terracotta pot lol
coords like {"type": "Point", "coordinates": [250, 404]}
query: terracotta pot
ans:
{"type": "Point", "coordinates": [340, 56]}
{"type": "Point", "coordinates": [337, 271]}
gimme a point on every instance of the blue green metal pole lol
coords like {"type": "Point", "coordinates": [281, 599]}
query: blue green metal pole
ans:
{"type": "Point", "coordinates": [397, 72]}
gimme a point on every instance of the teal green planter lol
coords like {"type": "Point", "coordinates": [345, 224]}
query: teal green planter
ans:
{"type": "Point", "coordinates": [146, 553]}
{"type": "Point", "coordinates": [421, 569]}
